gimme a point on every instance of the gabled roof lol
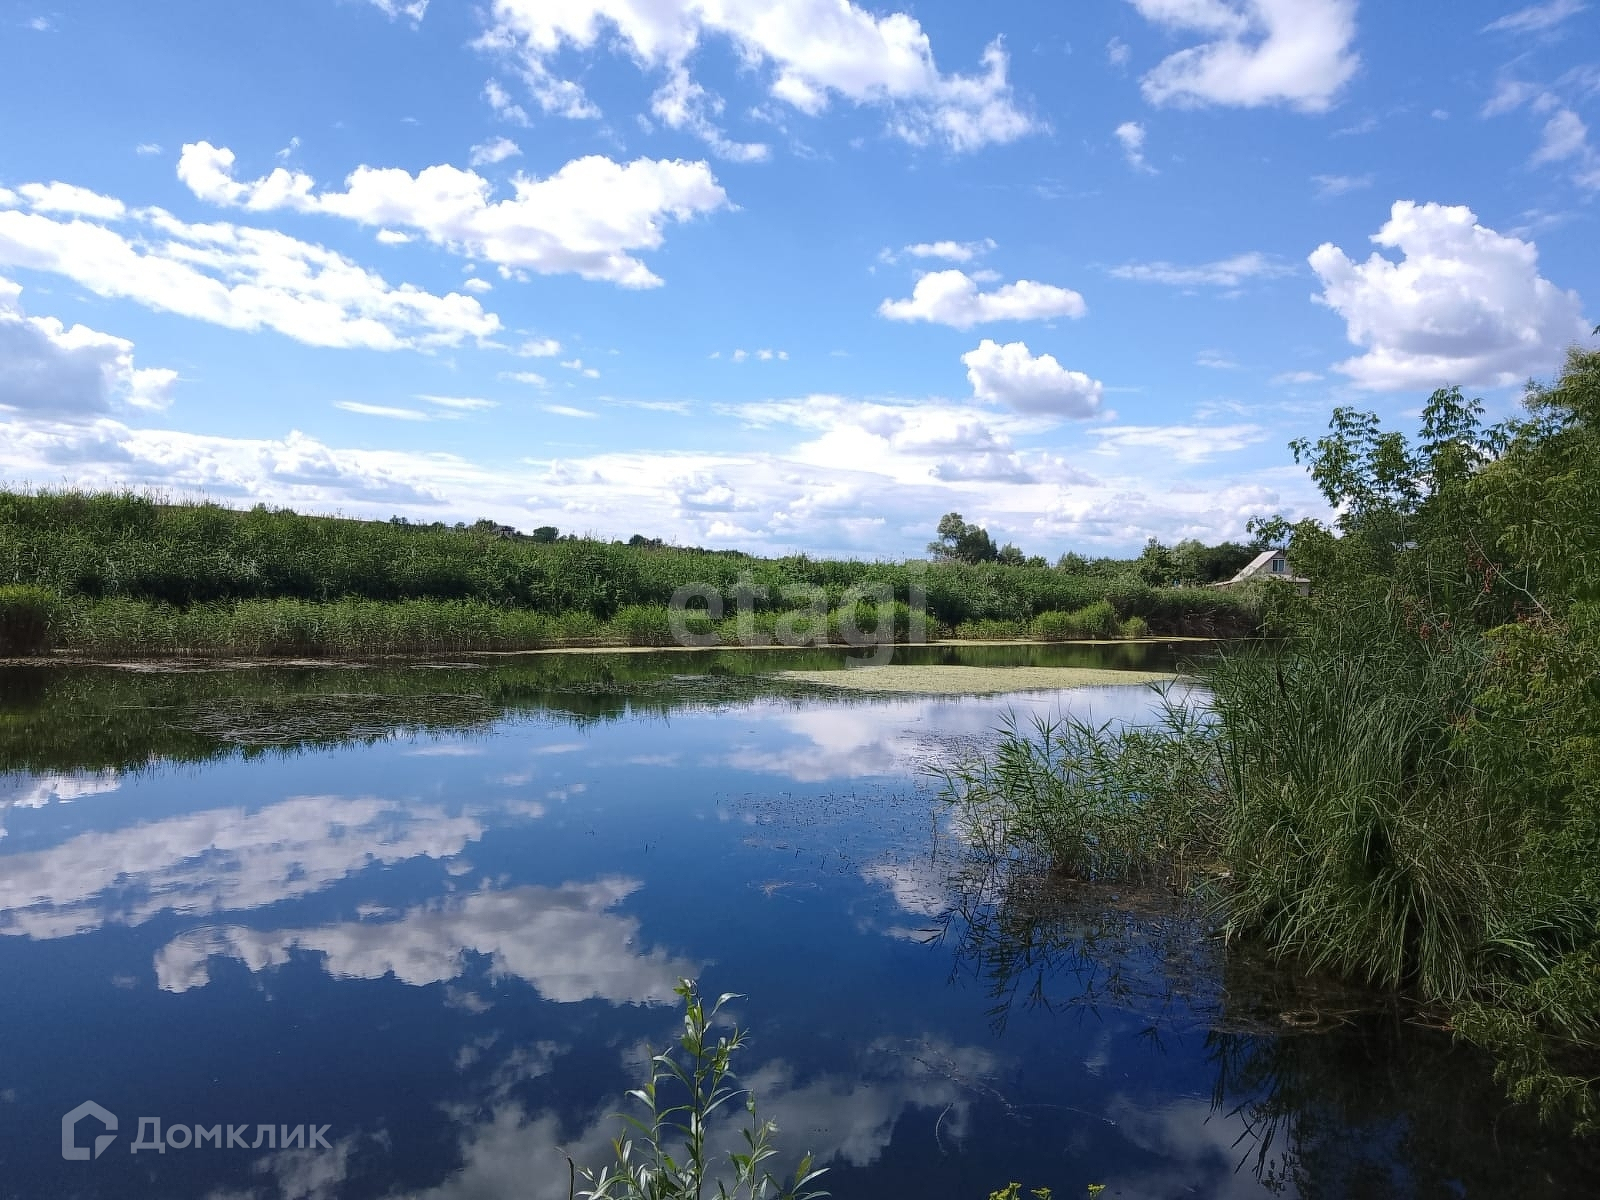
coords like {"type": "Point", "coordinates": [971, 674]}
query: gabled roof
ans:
{"type": "Point", "coordinates": [1254, 565]}
{"type": "Point", "coordinates": [1253, 569]}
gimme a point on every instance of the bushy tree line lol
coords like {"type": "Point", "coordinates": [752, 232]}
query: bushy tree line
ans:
{"type": "Point", "coordinates": [102, 546]}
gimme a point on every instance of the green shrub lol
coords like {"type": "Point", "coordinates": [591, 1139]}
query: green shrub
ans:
{"type": "Point", "coordinates": [1135, 627]}
{"type": "Point", "coordinates": [25, 619]}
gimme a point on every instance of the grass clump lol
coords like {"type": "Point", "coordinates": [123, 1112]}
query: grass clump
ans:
{"type": "Point", "coordinates": [1097, 620]}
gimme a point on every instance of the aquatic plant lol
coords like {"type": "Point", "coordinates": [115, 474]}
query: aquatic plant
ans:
{"type": "Point", "coordinates": [666, 1153]}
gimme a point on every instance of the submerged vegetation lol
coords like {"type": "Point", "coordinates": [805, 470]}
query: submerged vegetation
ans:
{"type": "Point", "coordinates": [120, 573]}
{"type": "Point", "coordinates": [1406, 792]}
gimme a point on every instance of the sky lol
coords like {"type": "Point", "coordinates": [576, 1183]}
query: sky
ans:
{"type": "Point", "coordinates": [778, 275]}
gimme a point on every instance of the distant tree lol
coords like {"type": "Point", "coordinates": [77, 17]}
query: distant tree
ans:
{"type": "Point", "coordinates": [961, 542]}
{"type": "Point", "coordinates": [1197, 563]}
{"type": "Point", "coordinates": [545, 533]}
{"type": "Point", "coordinates": [1011, 555]}
{"type": "Point", "coordinates": [1156, 565]}
{"type": "Point", "coordinates": [1073, 564]}
{"type": "Point", "coordinates": [639, 539]}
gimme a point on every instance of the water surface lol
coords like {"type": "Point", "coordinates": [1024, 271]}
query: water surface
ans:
{"type": "Point", "coordinates": [441, 910]}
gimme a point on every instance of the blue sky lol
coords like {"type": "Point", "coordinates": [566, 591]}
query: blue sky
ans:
{"type": "Point", "coordinates": [777, 274]}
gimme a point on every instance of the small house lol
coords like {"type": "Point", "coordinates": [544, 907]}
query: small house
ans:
{"type": "Point", "coordinates": [1269, 564]}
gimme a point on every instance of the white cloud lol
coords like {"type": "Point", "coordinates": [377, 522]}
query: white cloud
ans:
{"type": "Point", "coordinates": [538, 348]}
{"type": "Point", "coordinates": [1226, 272]}
{"type": "Point", "coordinates": [1338, 185]}
{"type": "Point", "coordinates": [412, 10]}
{"type": "Point", "coordinates": [459, 403]}
{"type": "Point", "coordinates": [681, 103]}
{"type": "Point", "coordinates": [1291, 378]}
{"type": "Point", "coordinates": [237, 277]}
{"type": "Point", "coordinates": [48, 368]}
{"type": "Point", "coordinates": [1131, 135]}
{"type": "Point", "coordinates": [567, 410]}
{"type": "Point", "coordinates": [1216, 360]}
{"type": "Point", "coordinates": [498, 99]}
{"type": "Point", "coordinates": [1464, 305]}
{"type": "Point", "coordinates": [1010, 375]}
{"type": "Point", "coordinates": [495, 150]}
{"type": "Point", "coordinates": [577, 364]}
{"type": "Point", "coordinates": [1118, 52]}
{"type": "Point", "coordinates": [1536, 17]}
{"type": "Point", "coordinates": [948, 250]}
{"type": "Point", "coordinates": [476, 285]}
{"type": "Point", "coordinates": [65, 198]}
{"type": "Point", "coordinates": [1509, 95]}
{"type": "Point", "coordinates": [147, 148]}
{"type": "Point", "coordinates": [583, 219]}
{"type": "Point", "coordinates": [1564, 136]}
{"type": "Point", "coordinates": [815, 49]}
{"type": "Point", "coordinates": [381, 410]}
{"type": "Point", "coordinates": [1295, 52]}
{"type": "Point", "coordinates": [952, 298]}
{"type": "Point", "coordinates": [1184, 443]}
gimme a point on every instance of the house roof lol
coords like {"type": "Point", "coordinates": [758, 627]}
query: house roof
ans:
{"type": "Point", "coordinates": [1254, 567]}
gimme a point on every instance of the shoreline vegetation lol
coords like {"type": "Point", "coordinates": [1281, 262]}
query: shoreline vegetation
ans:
{"type": "Point", "coordinates": [1403, 791]}
{"type": "Point", "coordinates": [121, 574]}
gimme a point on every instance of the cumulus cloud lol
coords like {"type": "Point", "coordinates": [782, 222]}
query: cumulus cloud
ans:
{"type": "Point", "coordinates": [948, 250]}
{"type": "Point", "coordinates": [1464, 305]}
{"type": "Point", "coordinates": [814, 51]}
{"type": "Point", "coordinates": [952, 298]}
{"type": "Point", "coordinates": [1258, 52]}
{"type": "Point", "coordinates": [230, 275]}
{"type": "Point", "coordinates": [581, 220]}
{"type": "Point", "coordinates": [1225, 272]}
{"type": "Point", "coordinates": [50, 369]}
{"type": "Point", "coordinates": [1029, 383]}
{"type": "Point", "coordinates": [1131, 135]}
{"type": "Point", "coordinates": [495, 150]}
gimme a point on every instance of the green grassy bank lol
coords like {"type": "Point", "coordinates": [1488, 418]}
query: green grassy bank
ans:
{"type": "Point", "coordinates": [119, 573]}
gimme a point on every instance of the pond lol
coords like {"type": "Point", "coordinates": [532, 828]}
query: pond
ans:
{"type": "Point", "coordinates": [434, 914]}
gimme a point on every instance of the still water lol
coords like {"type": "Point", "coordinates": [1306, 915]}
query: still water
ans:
{"type": "Point", "coordinates": [437, 914]}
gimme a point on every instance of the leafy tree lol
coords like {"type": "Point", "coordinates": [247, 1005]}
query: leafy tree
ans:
{"type": "Point", "coordinates": [1156, 565]}
{"type": "Point", "coordinates": [1011, 555]}
{"type": "Point", "coordinates": [546, 533]}
{"type": "Point", "coordinates": [960, 542]}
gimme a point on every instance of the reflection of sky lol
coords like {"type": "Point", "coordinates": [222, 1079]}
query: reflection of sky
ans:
{"type": "Point", "coordinates": [454, 949]}
{"type": "Point", "coordinates": [563, 940]}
